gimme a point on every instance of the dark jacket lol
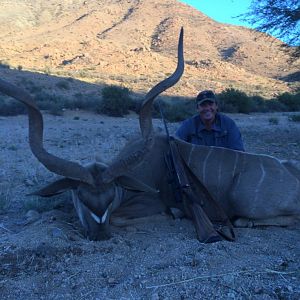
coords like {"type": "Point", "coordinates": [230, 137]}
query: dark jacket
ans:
{"type": "Point", "coordinates": [224, 133]}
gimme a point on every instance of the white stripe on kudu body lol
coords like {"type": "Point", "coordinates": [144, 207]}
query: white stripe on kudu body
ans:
{"type": "Point", "coordinates": [247, 185]}
{"type": "Point", "coordinates": [204, 166]}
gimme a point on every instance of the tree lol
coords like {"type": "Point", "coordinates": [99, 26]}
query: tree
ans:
{"type": "Point", "coordinates": [279, 18]}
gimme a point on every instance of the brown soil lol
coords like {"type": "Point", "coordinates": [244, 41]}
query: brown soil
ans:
{"type": "Point", "coordinates": [43, 255]}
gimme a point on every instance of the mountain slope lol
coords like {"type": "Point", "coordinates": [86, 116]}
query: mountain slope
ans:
{"type": "Point", "coordinates": [133, 43]}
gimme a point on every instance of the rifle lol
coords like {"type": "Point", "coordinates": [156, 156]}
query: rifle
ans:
{"type": "Point", "coordinates": [198, 208]}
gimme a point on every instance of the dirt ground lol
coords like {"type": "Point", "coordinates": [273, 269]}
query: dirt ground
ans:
{"type": "Point", "coordinates": [43, 254]}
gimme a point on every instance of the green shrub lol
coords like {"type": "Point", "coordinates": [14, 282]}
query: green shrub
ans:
{"type": "Point", "coordinates": [12, 148]}
{"type": "Point", "coordinates": [45, 100]}
{"type": "Point", "coordinates": [258, 104]}
{"type": "Point", "coordinates": [233, 100]}
{"type": "Point", "coordinates": [294, 118]}
{"type": "Point", "coordinates": [52, 103]}
{"type": "Point", "coordinates": [34, 89]}
{"type": "Point", "coordinates": [90, 102]}
{"type": "Point", "coordinates": [63, 84]}
{"type": "Point", "coordinates": [292, 102]}
{"type": "Point", "coordinates": [10, 107]}
{"type": "Point", "coordinates": [4, 65]}
{"type": "Point", "coordinates": [273, 121]}
{"type": "Point", "coordinates": [175, 110]}
{"type": "Point", "coordinates": [116, 101]}
{"type": "Point", "coordinates": [274, 105]}
{"type": "Point", "coordinates": [55, 110]}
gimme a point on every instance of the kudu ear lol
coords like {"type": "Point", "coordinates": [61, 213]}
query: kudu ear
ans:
{"type": "Point", "coordinates": [57, 187]}
{"type": "Point", "coordinates": [131, 183]}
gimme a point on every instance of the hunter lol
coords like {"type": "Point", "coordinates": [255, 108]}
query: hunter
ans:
{"type": "Point", "coordinates": [209, 127]}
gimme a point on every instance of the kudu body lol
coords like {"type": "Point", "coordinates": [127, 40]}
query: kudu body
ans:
{"type": "Point", "coordinates": [252, 189]}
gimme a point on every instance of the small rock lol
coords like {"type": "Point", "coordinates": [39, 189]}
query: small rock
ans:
{"type": "Point", "coordinates": [195, 262]}
{"type": "Point", "coordinates": [32, 216]}
{"type": "Point", "coordinates": [52, 219]}
{"type": "Point", "coordinates": [111, 280]}
{"type": "Point", "coordinates": [290, 288]}
{"type": "Point", "coordinates": [176, 213]}
{"type": "Point", "coordinates": [29, 182]}
{"type": "Point", "coordinates": [57, 233]}
{"type": "Point", "coordinates": [155, 296]}
{"type": "Point", "coordinates": [258, 290]}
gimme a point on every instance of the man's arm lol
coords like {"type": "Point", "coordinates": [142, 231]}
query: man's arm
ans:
{"type": "Point", "coordinates": [183, 131]}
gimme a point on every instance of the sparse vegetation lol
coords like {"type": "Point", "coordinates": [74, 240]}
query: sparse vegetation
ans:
{"type": "Point", "coordinates": [89, 102]}
{"type": "Point", "coordinates": [83, 74]}
{"type": "Point", "coordinates": [117, 101]}
{"type": "Point", "coordinates": [295, 118]}
{"type": "Point", "coordinates": [48, 101]}
{"type": "Point", "coordinates": [47, 70]}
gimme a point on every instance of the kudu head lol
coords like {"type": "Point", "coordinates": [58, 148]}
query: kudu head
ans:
{"type": "Point", "coordinates": [97, 188]}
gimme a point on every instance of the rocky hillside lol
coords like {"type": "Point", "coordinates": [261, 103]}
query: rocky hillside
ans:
{"type": "Point", "coordinates": [133, 43]}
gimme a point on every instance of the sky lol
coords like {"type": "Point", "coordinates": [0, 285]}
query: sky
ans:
{"type": "Point", "coordinates": [223, 11]}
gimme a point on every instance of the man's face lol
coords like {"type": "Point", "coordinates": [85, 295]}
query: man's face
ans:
{"type": "Point", "coordinates": [207, 110]}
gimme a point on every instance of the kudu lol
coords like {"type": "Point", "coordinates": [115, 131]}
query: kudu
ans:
{"type": "Point", "coordinates": [252, 189]}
